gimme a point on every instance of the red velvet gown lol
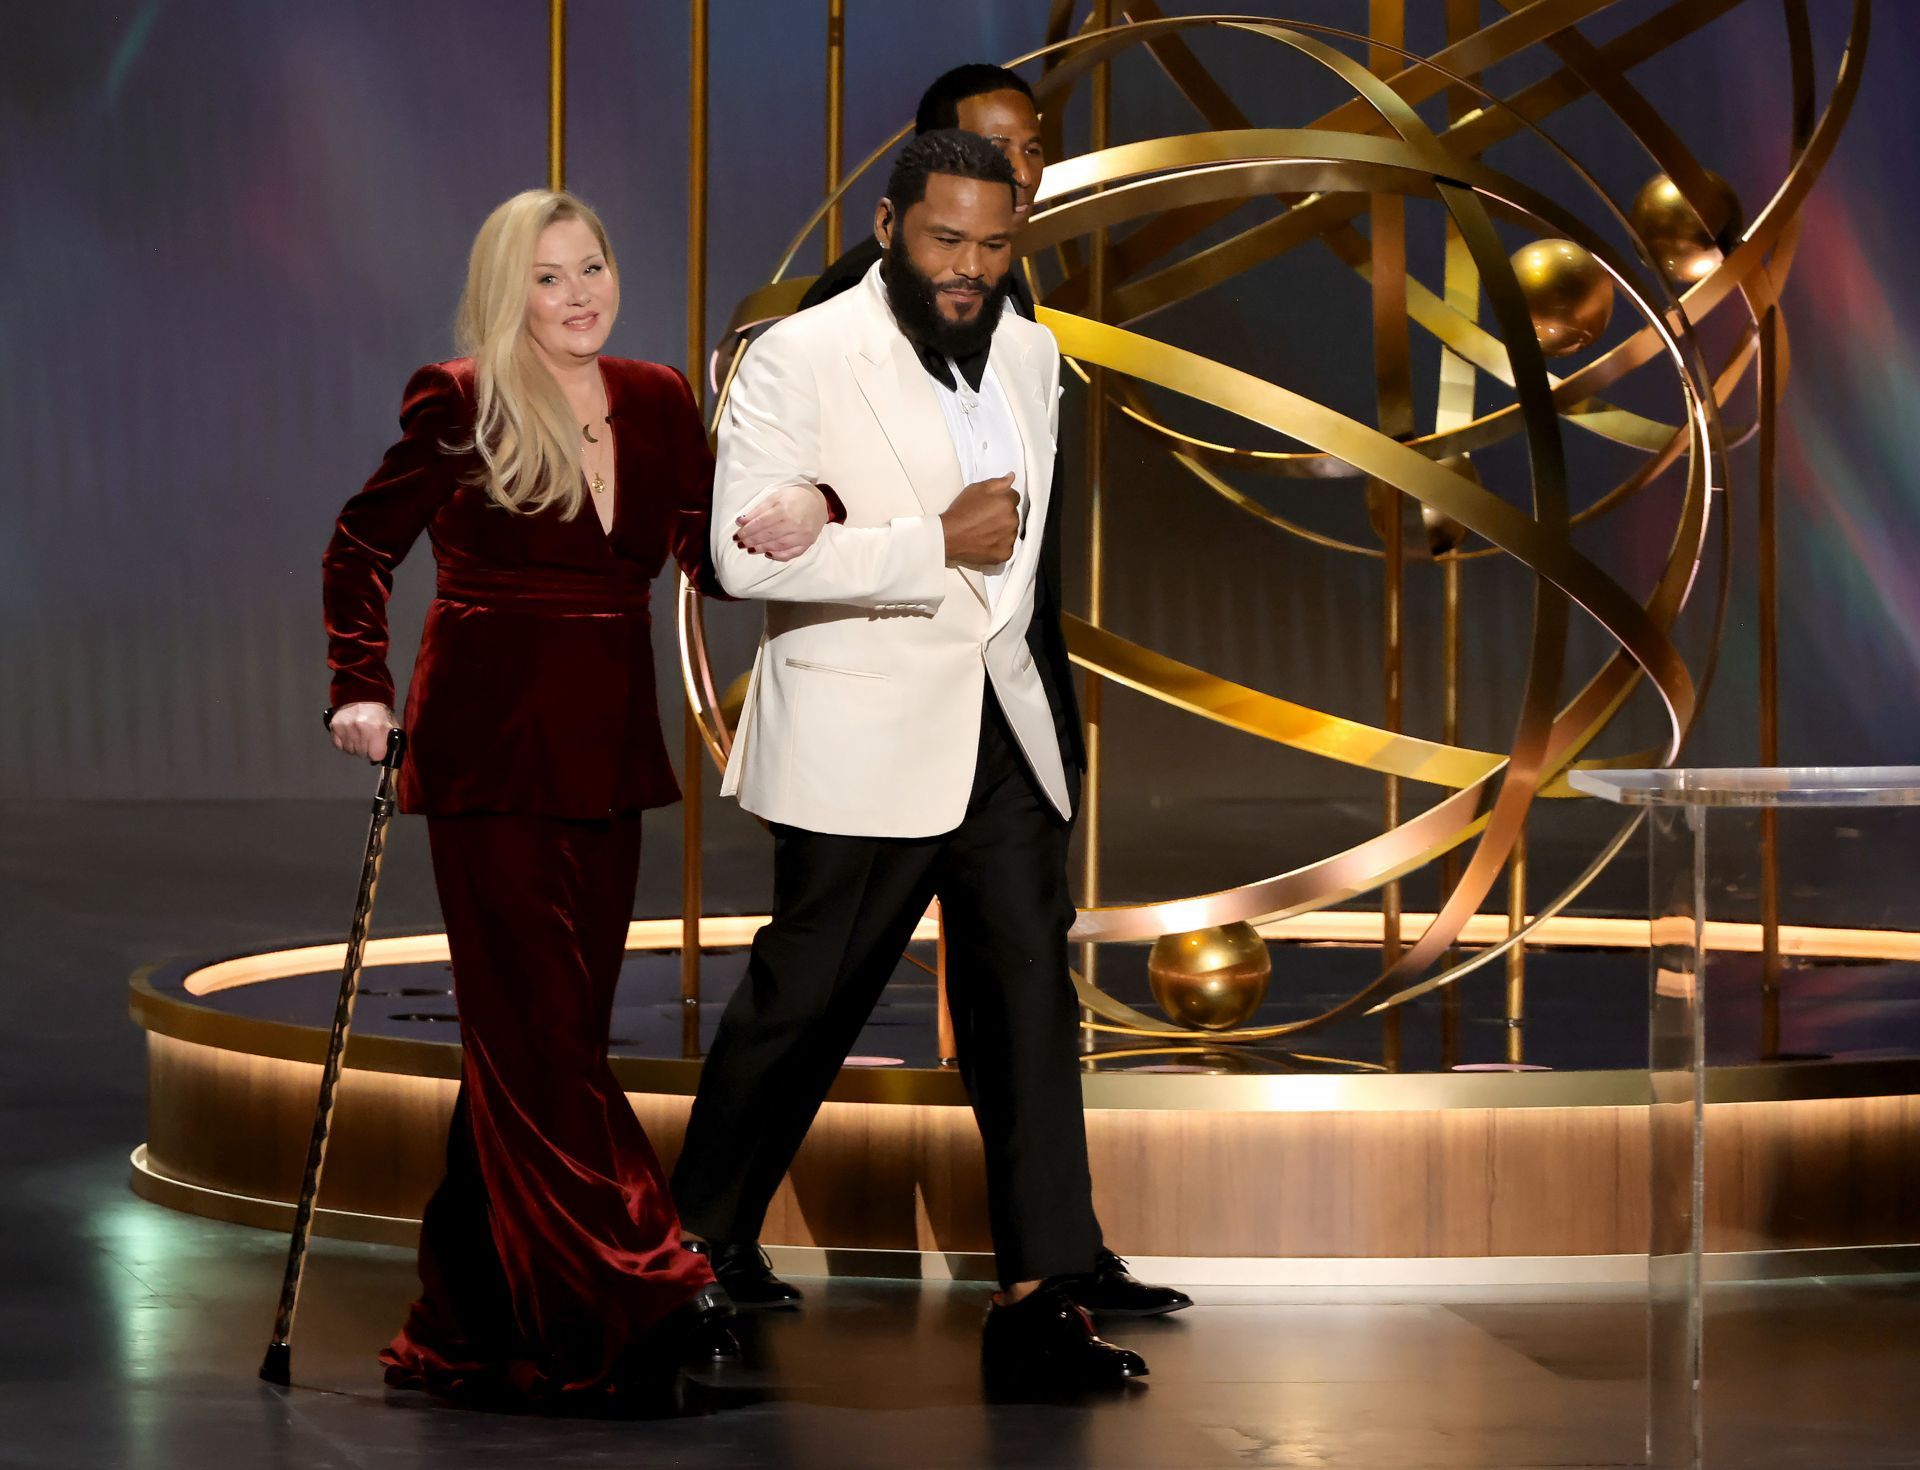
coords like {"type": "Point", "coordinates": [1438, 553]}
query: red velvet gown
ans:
{"type": "Point", "coordinates": [534, 743]}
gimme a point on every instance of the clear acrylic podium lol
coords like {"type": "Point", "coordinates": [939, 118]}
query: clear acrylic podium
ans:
{"type": "Point", "coordinates": [1679, 809]}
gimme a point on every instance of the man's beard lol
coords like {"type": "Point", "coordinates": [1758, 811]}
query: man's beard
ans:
{"type": "Point", "coordinates": [914, 299]}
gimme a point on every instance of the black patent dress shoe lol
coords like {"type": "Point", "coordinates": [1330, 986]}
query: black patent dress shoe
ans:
{"type": "Point", "coordinates": [746, 1275]}
{"type": "Point", "coordinates": [708, 1337]}
{"type": "Point", "coordinates": [1110, 1290]}
{"type": "Point", "coordinates": [1045, 1343]}
{"type": "Point", "coordinates": [648, 1381]}
{"type": "Point", "coordinates": [693, 1335]}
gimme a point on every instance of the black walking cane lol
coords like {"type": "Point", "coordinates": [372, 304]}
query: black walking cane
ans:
{"type": "Point", "coordinates": [277, 1367]}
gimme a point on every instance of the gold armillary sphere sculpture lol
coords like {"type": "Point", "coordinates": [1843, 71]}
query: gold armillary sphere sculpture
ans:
{"type": "Point", "coordinates": [1679, 253]}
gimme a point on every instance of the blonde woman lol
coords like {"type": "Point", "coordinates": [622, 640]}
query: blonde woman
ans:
{"type": "Point", "coordinates": [553, 483]}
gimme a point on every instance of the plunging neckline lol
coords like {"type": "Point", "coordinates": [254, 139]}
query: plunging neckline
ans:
{"type": "Point", "coordinates": [612, 522]}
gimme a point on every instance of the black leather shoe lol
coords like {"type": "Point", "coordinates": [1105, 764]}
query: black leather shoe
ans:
{"type": "Point", "coordinates": [746, 1275]}
{"type": "Point", "coordinates": [647, 1382]}
{"type": "Point", "coordinates": [693, 1335]}
{"type": "Point", "coordinates": [709, 1338]}
{"type": "Point", "coordinates": [1045, 1343]}
{"type": "Point", "coordinates": [1110, 1290]}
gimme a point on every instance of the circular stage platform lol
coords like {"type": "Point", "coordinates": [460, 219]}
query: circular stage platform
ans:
{"type": "Point", "coordinates": [1218, 1165]}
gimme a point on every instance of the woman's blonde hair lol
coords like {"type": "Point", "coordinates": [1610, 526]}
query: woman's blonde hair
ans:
{"type": "Point", "coordinates": [526, 436]}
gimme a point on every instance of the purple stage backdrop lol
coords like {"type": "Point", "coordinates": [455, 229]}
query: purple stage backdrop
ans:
{"type": "Point", "coordinates": [232, 228]}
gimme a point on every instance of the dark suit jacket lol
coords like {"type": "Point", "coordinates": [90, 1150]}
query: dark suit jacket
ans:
{"type": "Point", "coordinates": [1044, 637]}
{"type": "Point", "coordinates": [534, 686]}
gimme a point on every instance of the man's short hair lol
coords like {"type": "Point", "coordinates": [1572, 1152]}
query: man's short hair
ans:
{"type": "Point", "coordinates": [945, 151]}
{"type": "Point", "coordinates": [940, 103]}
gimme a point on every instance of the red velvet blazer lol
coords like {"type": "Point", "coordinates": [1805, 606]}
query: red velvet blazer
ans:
{"type": "Point", "coordinates": [533, 689]}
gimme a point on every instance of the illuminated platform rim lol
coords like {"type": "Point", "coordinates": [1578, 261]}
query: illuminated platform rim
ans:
{"type": "Point", "coordinates": [186, 1020]}
{"type": "Point", "coordinates": [1455, 1272]}
{"type": "Point", "coordinates": [1441, 1180]}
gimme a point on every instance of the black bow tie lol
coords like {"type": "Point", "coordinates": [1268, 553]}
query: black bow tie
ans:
{"type": "Point", "coordinates": [972, 368]}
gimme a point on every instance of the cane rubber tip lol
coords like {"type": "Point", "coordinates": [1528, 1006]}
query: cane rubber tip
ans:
{"type": "Point", "coordinates": [278, 1364]}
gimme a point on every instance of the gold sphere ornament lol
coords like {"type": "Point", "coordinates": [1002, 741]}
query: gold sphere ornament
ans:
{"type": "Point", "coordinates": [1210, 979]}
{"type": "Point", "coordinates": [735, 700]}
{"type": "Point", "coordinates": [1685, 243]}
{"type": "Point", "coordinates": [1568, 292]}
{"type": "Point", "coordinates": [1444, 533]}
{"type": "Point", "coordinates": [1439, 532]}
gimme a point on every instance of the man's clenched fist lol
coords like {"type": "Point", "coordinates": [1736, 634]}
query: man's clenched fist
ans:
{"type": "Point", "coordinates": [983, 522]}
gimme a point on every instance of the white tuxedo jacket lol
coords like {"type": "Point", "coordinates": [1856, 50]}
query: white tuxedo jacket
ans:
{"type": "Point", "coordinates": [863, 713]}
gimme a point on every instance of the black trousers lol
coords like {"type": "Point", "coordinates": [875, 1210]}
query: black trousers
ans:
{"type": "Point", "coordinates": [843, 910]}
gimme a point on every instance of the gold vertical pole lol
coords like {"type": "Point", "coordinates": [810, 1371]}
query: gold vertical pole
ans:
{"type": "Point", "coordinates": [949, 1049]}
{"type": "Point", "coordinates": [693, 750]}
{"type": "Point", "coordinates": [556, 94]}
{"type": "Point", "coordinates": [1450, 732]}
{"type": "Point", "coordinates": [1454, 409]}
{"type": "Point", "coordinates": [1386, 21]}
{"type": "Point", "coordinates": [1769, 575]}
{"type": "Point", "coordinates": [1517, 956]}
{"type": "Point", "coordinates": [1096, 473]}
{"type": "Point", "coordinates": [836, 121]}
{"type": "Point", "coordinates": [1391, 659]}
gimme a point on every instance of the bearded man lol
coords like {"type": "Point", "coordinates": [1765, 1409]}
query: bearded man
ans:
{"type": "Point", "coordinates": [900, 742]}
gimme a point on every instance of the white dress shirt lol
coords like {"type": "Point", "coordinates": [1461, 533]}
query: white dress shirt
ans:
{"type": "Point", "coordinates": [986, 441]}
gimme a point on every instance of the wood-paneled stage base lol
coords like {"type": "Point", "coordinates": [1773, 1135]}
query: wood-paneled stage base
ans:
{"type": "Point", "coordinates": [1372, 1177]}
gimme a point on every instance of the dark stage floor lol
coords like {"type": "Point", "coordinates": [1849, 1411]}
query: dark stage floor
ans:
{"type": "Point", "coordinates": [132, 1335]}
{"type": "Point", "coordinates": [129, 1335]}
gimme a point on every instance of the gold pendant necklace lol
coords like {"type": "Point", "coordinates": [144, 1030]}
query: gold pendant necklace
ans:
{"type": "Point", "coordinates": [598, 484]}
